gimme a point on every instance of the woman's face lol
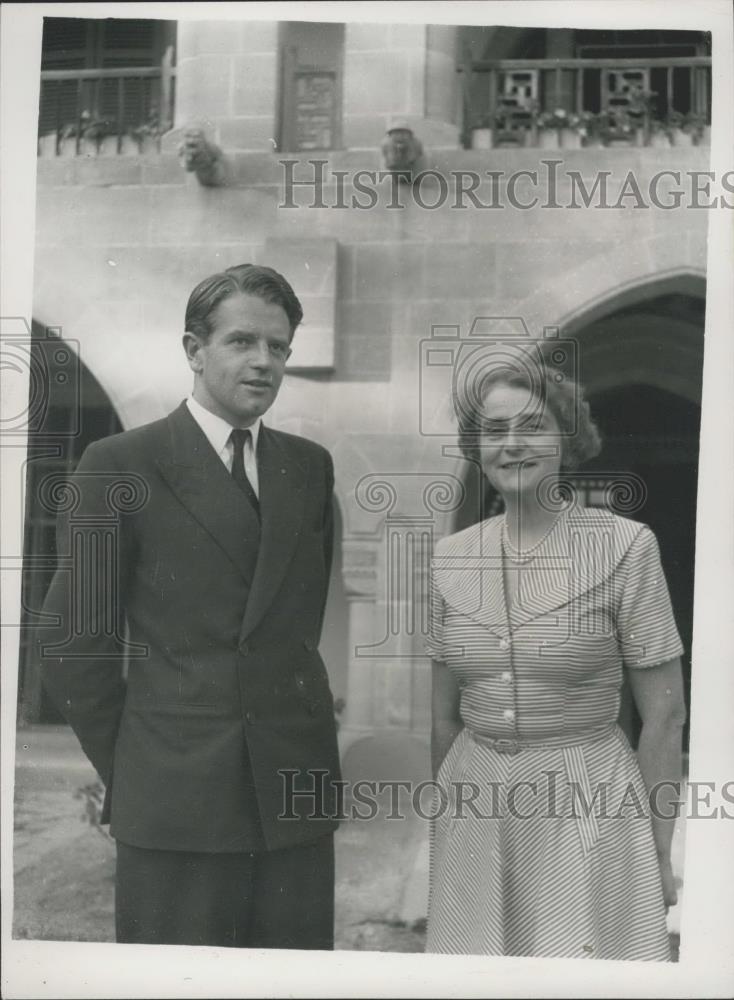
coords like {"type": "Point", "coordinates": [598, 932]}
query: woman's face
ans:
{"type": "Point", "coordinates": [520, 441]}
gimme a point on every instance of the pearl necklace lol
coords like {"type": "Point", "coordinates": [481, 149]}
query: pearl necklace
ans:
{"type": "Point", "coordinates": [523, 555]}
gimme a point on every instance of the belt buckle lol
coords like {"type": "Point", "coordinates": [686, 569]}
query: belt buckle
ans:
{"type": "Point", "coordinates": [503, 745]}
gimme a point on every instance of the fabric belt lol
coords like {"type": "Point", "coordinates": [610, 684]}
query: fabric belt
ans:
{"type": "Point", "coordinates": [511, 745]}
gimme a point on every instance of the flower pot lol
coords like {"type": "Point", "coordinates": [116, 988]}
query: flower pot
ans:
{"type": "Point", "coordinates": [149, 144]}
{"type": "Point", "coordinates": [548, 138]}
{"type": "Point", "coordinates": [481, 138]}
{"type": "Point", "coordinates": [47, 145]}
{"type": "Point", "coordinates": [67, 147]}
{"type": "Point", "coordinates": [108, 146]}
{"type": "Point", "coordinates": [681, 138]}
{"type": "Point", "coordinates": [659, 140]}
{"type": "Point", "coordinates": [570, 139]}
{"type": "Point", "coordinates": [89, 148]}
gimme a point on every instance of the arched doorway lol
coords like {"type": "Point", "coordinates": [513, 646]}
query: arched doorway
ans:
{"type": "Point", "coordinates": [654, 434]}
{"type": "Point", "coordinates": [642, 367]}
{"type": "Point", "coordinates": [72, 410]}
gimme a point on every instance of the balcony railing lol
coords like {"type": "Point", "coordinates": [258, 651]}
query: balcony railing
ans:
{"type": "Point", "coordinates": [105, 110]}
{"type": "Point", "coordinates": [640, 101]}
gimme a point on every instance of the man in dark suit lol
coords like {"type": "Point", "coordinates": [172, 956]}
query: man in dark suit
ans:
{"type": "Point", "coordinates": [201, 550]}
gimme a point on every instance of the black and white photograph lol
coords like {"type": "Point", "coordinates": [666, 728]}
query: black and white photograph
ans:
{"type": "Point", "coordinates": [367, 550]}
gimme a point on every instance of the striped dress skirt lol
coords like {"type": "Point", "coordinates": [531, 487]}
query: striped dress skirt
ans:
{"type": "Point", "coordinates": [527, 860]}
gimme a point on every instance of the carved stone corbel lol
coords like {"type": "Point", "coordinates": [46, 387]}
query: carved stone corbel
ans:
{"type": "Point", "coordinates": [202, 157]}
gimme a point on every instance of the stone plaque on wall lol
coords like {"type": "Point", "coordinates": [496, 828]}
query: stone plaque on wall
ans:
{"type": "Point", "coordinates": [311, 268]}
{"type": "Point", "coordinates": [315, 109]}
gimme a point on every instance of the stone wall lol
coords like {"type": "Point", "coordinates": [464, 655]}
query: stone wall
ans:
{"type": "Point", "coordinates": [120, 242]}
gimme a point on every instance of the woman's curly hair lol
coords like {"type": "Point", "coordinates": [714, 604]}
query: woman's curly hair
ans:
{"type": "Point", "coordinates": [580, 437]}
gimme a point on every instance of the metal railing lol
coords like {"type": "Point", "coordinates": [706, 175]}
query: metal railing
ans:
{"type": "Point", "coordinates": [96, 106]}
{"type": "Point", "coordinates": [516, 97]}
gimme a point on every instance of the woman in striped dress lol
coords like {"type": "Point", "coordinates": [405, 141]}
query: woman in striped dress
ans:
{"type": "Point", "coordinates": [551, 837]}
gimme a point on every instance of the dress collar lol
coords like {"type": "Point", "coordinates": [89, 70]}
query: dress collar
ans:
{"type": "Point", "coordinates": [581, 551]}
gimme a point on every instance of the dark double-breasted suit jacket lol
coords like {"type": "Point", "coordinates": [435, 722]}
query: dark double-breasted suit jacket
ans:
{"type": "Point", "coordinates": [219, 619]}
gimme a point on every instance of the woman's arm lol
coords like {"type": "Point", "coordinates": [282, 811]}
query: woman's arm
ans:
{"type": "Point", "coordinates": [445, 719]}
{"type": "Point", "coordinates": [658, 694]}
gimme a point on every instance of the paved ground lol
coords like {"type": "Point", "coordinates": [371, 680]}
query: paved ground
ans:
{"type": "Point", "coordinates": [64, 865]}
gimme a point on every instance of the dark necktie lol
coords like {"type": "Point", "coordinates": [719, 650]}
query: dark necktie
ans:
{"type": "Point", "coordinates": [239, 437]}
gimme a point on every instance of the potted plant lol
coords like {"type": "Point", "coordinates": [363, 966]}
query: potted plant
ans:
{"type": "Point", "coordinates": [147, 136]}
{"type": "Point", "coordinates": [704, 137]}
{"type": "Point", "coordinates": [573, 132]}
{"type": "Point", "coordinates": [550, 126]}
{"type": "Point", "coordinates": [658, 132]}
{"type": "Point", "coordinates": [93, 133]}
{"type": "Point", "coordinates": [511, 124]}
{"type": "Point", "coordinates": [588, 129]}
{"type": "Point", "coordinates": [640, 112]}
{"type": "Point", "coordinates": [695, 125]}
{"type": "Point", "coordinates": [614, 127]}
{"type": "Point", "coordinates": [88, 134]}
{"type": "Point", "coordinates": [674, 127]}
{"type": "Point", "coordinates": [66, 142]}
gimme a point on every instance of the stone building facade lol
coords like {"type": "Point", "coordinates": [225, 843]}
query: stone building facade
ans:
{"type": "Point", "coordinates": [121, 240]}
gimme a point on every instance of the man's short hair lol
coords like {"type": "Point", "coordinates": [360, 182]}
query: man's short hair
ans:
{"type": "Point", "coordinates": [251, 279]}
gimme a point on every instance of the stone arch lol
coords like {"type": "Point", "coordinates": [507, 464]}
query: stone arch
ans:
{"type": "Point", "coordinates": [612, 281]}
{"type": "Point", "coordinates": [142, 388]}
{"type": "Point", "coordinates": [633, 357]}
{"type": "Point", "coordinates": [68, 409]}
{"type": "Point", "coordinates": [683, 281]}
{"type": "Point", "coordinates": [121, 309]}
{"type": "Point", "coordinates": [666, 352]}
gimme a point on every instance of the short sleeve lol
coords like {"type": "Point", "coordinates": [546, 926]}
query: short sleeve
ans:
{"type": "Point", "coordinates": [646, 628]}
{"type": "Point", "coordinates": [433, 642]}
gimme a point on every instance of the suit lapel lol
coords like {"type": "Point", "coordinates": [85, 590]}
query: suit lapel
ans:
{"type": "Point", "coordinates": [202, 483]}
{"type": "Point", "coordinates": [283, 481]}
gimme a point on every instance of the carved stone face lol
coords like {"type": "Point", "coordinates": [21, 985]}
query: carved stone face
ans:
{"type": "Point", "coordinates": [194, 144]}
{"type": "Point", "coordinates": [400, 148]}
{"type": "Point", "coordinates": [402, 138]}
{"type": "Point", "coordinates": [194, 135]}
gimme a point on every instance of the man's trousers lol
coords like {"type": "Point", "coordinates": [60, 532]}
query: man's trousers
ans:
{"type": "Point", "coordinates": [268, 899]}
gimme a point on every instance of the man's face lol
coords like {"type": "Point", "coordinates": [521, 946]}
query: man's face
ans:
{"type": "Point", "coordinates": [238, 370]}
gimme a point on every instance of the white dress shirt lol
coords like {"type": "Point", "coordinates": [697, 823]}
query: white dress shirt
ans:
{"type": "Point", "coordinates": [218, 432]}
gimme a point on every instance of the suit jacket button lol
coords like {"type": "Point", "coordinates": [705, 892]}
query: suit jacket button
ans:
{"type": "Point", "coordinates": [309, 644]}
{"type": "Point", "coordinates": [313, 709]}
{"type": "Point", "coordinates": [244, 649]}
{"type": "Point", "coordinates": [250, 717]}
